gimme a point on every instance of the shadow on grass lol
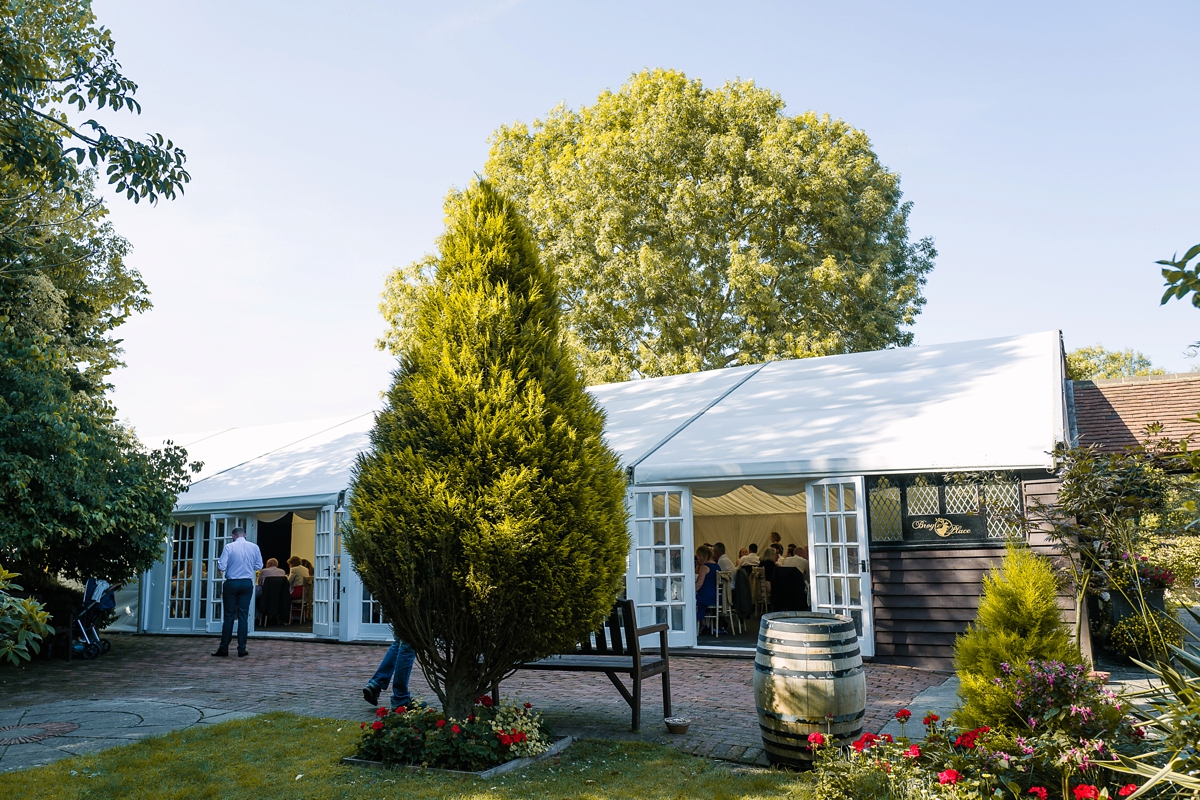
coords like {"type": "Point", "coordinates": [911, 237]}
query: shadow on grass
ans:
{"type": "Point", "coordinates": [284, 755]}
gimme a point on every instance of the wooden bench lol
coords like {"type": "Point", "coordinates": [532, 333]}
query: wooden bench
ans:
{"type": "Point", "coordinates": [615, 650]}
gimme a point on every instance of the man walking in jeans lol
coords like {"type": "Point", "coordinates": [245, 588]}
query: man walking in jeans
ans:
{"type": "Point", "coordinates": [239, 561]}
{"type": "Point", "coordinates": [396, 667]}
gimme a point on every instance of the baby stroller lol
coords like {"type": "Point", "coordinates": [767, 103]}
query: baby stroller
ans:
{"type": "Point", "coordinates": [98, 596]}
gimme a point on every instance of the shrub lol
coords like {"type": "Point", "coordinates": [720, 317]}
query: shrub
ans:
{"type": "Point", "coordinates": [23, 622]}
{"type": "Point", "coordinates": [1052, 696]}
{"type": "Point", "coordinates": [488, 517]}
{"type": "Point", "coordinates": [486, 737]}
{"type": "Point", "coordinates": [1146, 636]}
{"type": "Point", "coordinates": [1018, 621]}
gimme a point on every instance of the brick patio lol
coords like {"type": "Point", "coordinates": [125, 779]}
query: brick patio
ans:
{"type": "Point", "coordinates": [326, 680]}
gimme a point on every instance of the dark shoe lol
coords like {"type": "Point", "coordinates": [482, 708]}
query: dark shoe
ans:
{"type": "Point", "coordinates": [242, 654]}
{"type": "Point", "coordinates": [222, 653]}
{"type": "Point", "coordinates": [371, 694]}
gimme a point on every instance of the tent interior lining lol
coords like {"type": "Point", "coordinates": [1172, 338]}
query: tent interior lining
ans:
{"type": "Point", "coordinates": [749, 513]}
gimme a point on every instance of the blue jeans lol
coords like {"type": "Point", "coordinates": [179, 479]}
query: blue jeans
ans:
{"type": "Point", "coordinates": [395, 668]}
{"type": "Point", "coordinates": [236, 596]}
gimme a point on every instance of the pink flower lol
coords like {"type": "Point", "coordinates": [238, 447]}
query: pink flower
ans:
{"type": "Point", "coordinates": [1039, 792]}
{"type": "Point", "coordinates": [912, 752]}
{"type": "Point", "coordinates": [950, 776]}
{"type": "Point", "coordinates": [1127, 789]}
{"type": "Point", "coordinates": [816, 739]}
{"type": "Point", "coordinates": [1086, 791]}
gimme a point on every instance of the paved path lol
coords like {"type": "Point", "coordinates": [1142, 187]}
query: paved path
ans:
{"type": "Point", "coordinates": [326, 680]}
{"type": "Point", "coordinates": [47, 732]}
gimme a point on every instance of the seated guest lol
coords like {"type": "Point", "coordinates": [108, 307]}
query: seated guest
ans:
{"type": "Point", "coordinates": [706, 581]}
{"type": "Point", "coordinates": [271, 570]}
{"type": "Point", "coordinates": [304, 562]}
{"type": "Point", "coordinates": [745, 551]}
{"type": "Point", "coordinates": [768, 562]}
{"type": "Point", "coordinates": [778, 548]}
{"type": "Point", "coordinates": [795, 559]}
{"type": "Point", "coordinates": [751, 557]}
{"type": "Point", "coordinates": [723, 561]}
{"type": "Point", "coordinates": [297, 573]}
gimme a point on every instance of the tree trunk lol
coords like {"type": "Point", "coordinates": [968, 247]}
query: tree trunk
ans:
{"type": "Point", "coordinates": [460, 698]}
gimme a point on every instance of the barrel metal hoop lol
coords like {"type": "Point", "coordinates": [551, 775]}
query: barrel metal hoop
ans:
{"type": "Point", "coordinates": [824, 643]}
{"type": "Point", "coordinates": [817, 721]}
{"type": "Point", "coordinates": [813, 657]}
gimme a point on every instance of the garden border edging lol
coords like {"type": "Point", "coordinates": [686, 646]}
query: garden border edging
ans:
{"type": "Point", "coordinates": [508, 766]}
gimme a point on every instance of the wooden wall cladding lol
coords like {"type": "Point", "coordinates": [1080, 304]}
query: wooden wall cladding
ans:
{"type": "Point", "coordinates": [923, 598]}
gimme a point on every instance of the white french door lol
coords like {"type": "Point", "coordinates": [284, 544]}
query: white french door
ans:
{"type": "Point", "coordinates": [661, 575]}
{"type": "Point", "coordinates": [839, 564]}
{"type": "Point", "coordinates": [217, 535]}
{"type": "Point", "coordinates": [324, 579]}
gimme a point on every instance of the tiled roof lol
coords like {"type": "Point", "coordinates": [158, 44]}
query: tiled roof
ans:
{"type": "Point", "coordinates": [1113, 414]}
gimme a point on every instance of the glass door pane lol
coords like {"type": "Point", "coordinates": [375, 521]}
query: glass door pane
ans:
{"type": "Point", "coordinates": [662, 570]}
{"type": "Point", "coordinates": [840, 570]}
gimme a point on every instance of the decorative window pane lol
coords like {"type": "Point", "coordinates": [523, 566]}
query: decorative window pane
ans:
{"type": "Point", "coordinates": [962, 499]}
{"type": "Point", "coordinates": [922, 497]}
{"type": "Point", "coordinates": [1003, 504]}
{"type": "Point", "coordinates": [885, 512]}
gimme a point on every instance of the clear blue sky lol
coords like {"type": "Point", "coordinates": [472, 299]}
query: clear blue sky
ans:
{"type": "Point", "coordinates": [1049, 149]}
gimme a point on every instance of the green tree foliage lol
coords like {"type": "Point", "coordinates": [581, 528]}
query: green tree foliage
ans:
{"type": "Point", "coordinates": [693, 229]}
{"type": "Point", "coordinates": [1092, 363]}
{"type": "Point", "coordinates": [54, 58]}
{"type": "Point", "coordinates": [1182, 280]}
{"type": "Point", "coordinates": [23, 623]}
{"type": "Point", "coordinates": [81, 496]}
{"type": "Point", "coordinates": [1018, 621]}
{"type": "Point", "coordinates": [488, 517]}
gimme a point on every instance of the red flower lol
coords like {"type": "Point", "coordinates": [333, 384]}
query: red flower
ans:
{"type": "Point", "coordinates": [381, 712]}
{"type": "Point", "coordinates": [864, 741]}
{"type": "Point", "coordinates": [816, 739]}
{"type": "Point", "coordinates": [1127, 789]}
{"type": "Point", "coordinates": [1086, 791]}
{"type": "Point", "coordinates": [361, 726]}
{"type": "Point", "coordinates": [912, 752]}
{"type": "Point", "coordinates": [1039, 792]}
{"type": "Point", "coordinates": [903, 714]}
{"type": "Point", "coordinates": [401, 709]}
{"type": "Point", "coordinates": [887, 737]}
{"type": "Point", "coordinates": [377, 725]}
{"type": "Point", "coordinates": [455, 729]}
{"type": "Point", "coordinates": [441, 723]}
{"type": "Point", "coordinates": [519, 736]}
{"type": "Point", "coordinates": [486, 700]}
{"type": "Point", "coordinates": [930, 718]}
{"type": "Point", "coordinates": [505, 739]}
{"type": "Point", "coordinates": [950, 776]}
{"type": "Point", "coordinates": [529, 705]}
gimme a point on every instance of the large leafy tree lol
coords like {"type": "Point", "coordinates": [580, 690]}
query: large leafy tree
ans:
{"type": "Point", "coordinates": [694, 228]}
{"type": "Point", "coordinates": [488, 516]}
{"type": "Point", "coordinates": [81, 496]}
{"type": "Point", "coordinates": [1091, 363]}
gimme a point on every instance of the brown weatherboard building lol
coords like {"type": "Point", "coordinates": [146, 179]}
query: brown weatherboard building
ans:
{"type": "Point", "coordinates": [897, 470]}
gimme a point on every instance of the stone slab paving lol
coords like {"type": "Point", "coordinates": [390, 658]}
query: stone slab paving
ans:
{"type": "Point", "coordinates": [323, 679]}
{"type": "Point", "coordinates": [46, 732]}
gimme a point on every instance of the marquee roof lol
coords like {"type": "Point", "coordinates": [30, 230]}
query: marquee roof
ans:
{"type": "Point", "coordinates": [989, 404]}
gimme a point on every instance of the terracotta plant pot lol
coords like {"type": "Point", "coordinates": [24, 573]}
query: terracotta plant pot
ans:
{"type": "Point", "coordinates": [1099, 676]}
{"type": "Point", "coordinates": [677, 724]}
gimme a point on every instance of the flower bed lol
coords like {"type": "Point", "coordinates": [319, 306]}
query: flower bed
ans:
{"type": "Point", "coordinates": [1060, 756]}
{"type": "Point", "coordinates": [421, 736]}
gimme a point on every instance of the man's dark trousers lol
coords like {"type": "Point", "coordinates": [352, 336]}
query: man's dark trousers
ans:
{"type": "Point", "coordinates": [236, 596]}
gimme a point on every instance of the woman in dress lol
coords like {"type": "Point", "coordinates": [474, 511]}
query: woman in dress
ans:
{"type": "Point", "coordinates": [706, 582]}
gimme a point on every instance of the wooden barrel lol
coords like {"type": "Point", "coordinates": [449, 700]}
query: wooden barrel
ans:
{"type": "Point", "coordinates": [808, 676]}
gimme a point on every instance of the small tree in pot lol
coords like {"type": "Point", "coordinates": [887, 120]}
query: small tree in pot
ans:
{"type": "Point", "coordinates": [488, 518]}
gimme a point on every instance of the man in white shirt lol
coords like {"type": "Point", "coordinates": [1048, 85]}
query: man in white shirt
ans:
{"type": "Point", "coordinates": [797, 560]}
{"type": "Point", "coordinates": [239, 561]}
{"type": "Point", "coordinates": [724, 562]}
{"type": "Point", "coordinates": [749, 560]}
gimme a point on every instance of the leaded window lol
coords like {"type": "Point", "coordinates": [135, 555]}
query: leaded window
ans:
{"type": "Point", "coordinates": [989, 504]}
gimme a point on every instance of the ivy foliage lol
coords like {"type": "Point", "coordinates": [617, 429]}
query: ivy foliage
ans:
{"type": "Point", "coordinates": [696, 228]}
{"type": "Point", "coordinates": [488, 516]}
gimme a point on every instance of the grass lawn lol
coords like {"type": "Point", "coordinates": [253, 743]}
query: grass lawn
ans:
{"type": "Point", "coordinates": [283, 755]}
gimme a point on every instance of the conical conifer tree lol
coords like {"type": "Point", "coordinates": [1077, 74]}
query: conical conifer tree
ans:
{"type": "Point", "coordinates": [488, 518]}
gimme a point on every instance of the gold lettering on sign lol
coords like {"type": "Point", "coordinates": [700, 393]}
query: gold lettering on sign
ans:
{"type": "Point", "coordinates": [941, 526]}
